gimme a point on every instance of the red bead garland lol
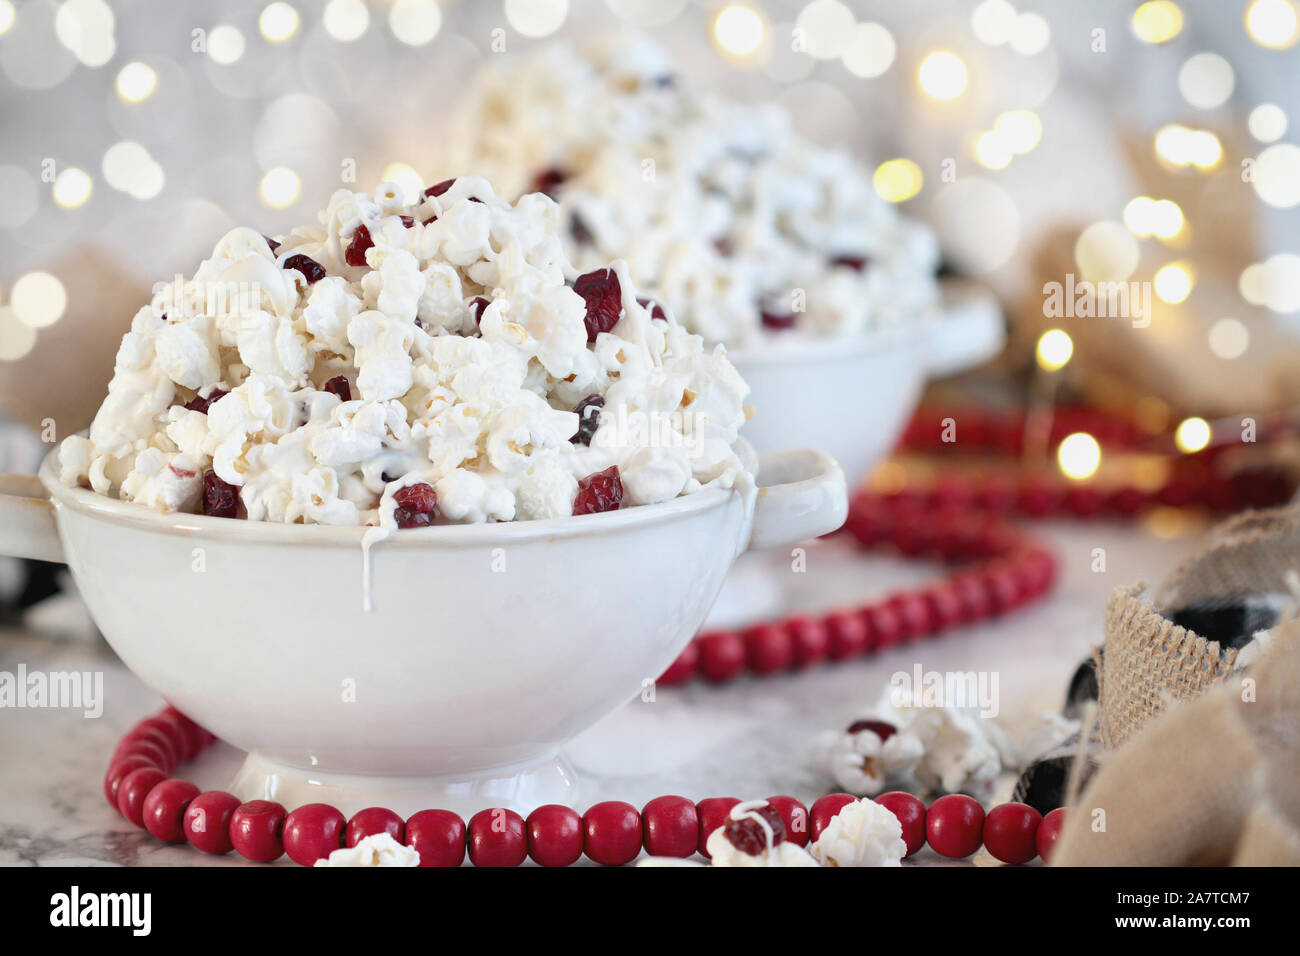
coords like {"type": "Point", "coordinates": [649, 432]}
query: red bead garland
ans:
{"type": "Point", "coordinates": [611, 833]}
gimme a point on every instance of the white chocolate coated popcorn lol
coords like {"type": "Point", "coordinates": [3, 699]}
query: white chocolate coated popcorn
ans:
{"type": "Point", "coordinates": [464, 348]}
{"type": "Point", "coordinates": [720, 209]}
{"type": "Point", "coordinates": [861, 834]}
{"type": "Point", "coordinates": [378, 849]}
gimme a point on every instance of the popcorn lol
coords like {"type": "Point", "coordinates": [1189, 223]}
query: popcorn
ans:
{"type": "Point", "coordinates": [717, 206]}
{"type": "Point", "coordinates": [861, 834]}
{"type": "Point", "coordinates": [754, 835]}
{"type": "Point", "coordinates": [378, 849]}
{"type": "Point", "coordinates": [462, 349]}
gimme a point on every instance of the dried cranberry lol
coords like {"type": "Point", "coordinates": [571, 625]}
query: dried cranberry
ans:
{"type": "Point", "coordinates": [880, 728]}
{"type": "Point", "coordinates": [477, 305]}
{"type": "Point", "coordinates": [312, 270]}
{"type": "Point", "coordinates": [747, 834]}
{"type": "Point", "coordinates": [198, 404]}
{"type": "Point", "coordinates": [723, 246]}
{"type": "Point", "coordinates": [409, 221]}
{"type": "Point", "coordinates": [361, 241]}
{"type": "Point", "coordinates": [656, 310]}
{"type": "Point", "coordinates": [856, 263]}
{"type": "Point", "coordinates": [578, 229]}
{"type": "Point", "coordinates": [588, 419]}
{"type": "Point", "coordinates": [437, 189]}
{"type": "Point", "coordinates": [415, 505]}
{"type": "Point", "coordinates": [339, 386]}
{"type": "Point", "coordinates": [774, 319]}
{"type": "Point", "coordinates": [604, 298]}
{"type": "Point", "coordinates": [602, 491]}
{"type": "Point", "coordinates": [271, 244]}
{"type": "Point", "coordinates": [548, 180]}
{"type": "Point", "coordinates": [220, 499]}
{"type": "Point", "coordinates": [664, 81]}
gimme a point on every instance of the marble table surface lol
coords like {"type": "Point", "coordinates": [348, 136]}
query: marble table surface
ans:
{"type": "Point", "coordinates": [747, 739]}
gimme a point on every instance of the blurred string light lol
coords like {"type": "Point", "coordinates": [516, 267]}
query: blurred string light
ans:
{"type": "Point", "coordinates": [992, 22]}
{"type": "Point", "coordinates": [943, 75]}
{"type": "Point", "coordinates": [536, 18]}
{"type": "Point", "coordinates": [1267, 122]}
{"type": "Point", "coordinates": [870, 51]}
{"type": "Point", "coordinates": [280, 187]}
{"type": "Point", "coordinates": [346, 20]}
{"type": "Point", "coordinates": [405, 177]}
{"type": "Point", "coordinates": [738, 29]}
{"type": "Point", "coordinates": [136, 82]}
{"type": "Point", "coordinates": [1055, 348]}
{"type": "Point", "coordinates": [225, 44]}
{"type": "Point", "coordinates": [1079, 456]}
{"type": "Point", "coordinates": [1106, 252]}
{"type": "Point", "coordinates": [992, 151]}
{"type": "Point", "coordinates": [1030, 34]}
{"type": "Point", "coordinates": [86, 27]}
{"type": "Point", "coordinates": [1229, 338]}
{"type": "Point", "coordinates": [826, 26]}
{"type": "Point", "coordinates": [1274, 24]}
{"type": "Point", "coordinates": [1179, 145]}
{"type": "Point", "coordinates": [897, 180]}
{"type": "Point", "coordinates": [1273, 283]}
{"type": "Point", "coordinates": [1021, 130]}
{"type": "Point", "coordinates": [72, 188]}
{"type": "Point", "coordinates": [1173, 282]}
{"type": "Point", "coordinates": [278, 22]}
{"type": "Point", "coordinates": [1192, 435]}
{"type": "Point", "coordinates": [1157, 21]}
{"type": "Point", "coordinates": [38, 299]}
{"type": "Point", "coordinates": [415, 22]}
{"type": "Point", "coordinates": [7, 16]}
{"type": "Point", "coordinates": [1277, 175]}
{"type": "Point", "coordinates": [128, 167]}
{"type": "Point", "coordinates": [16, 338]}
{"type": "Point", "coordinates": [1206, 80]}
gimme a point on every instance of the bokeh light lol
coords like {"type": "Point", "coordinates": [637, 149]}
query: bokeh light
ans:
{"type": "Point", "coordinates": [415, 22]}
{"type": "Point", "coordinates": [1157, 21]}
{"type": "Point", "coordinates": [992, 22]}
{"type": "Point", "coordinates": [278, 22]}
{"type": "Point", "coordinates": [1106, 252]}
{"type": "Point", "coordinates": [1174, 282]}
{"type": "Point", "coordinates": [897, 180]}
{"type": "Point", "coordinates": [1273, 283]}
{"type": "Point", "coordinates": [943, 75]}
{"type": "Point", "coordinates": [1020, 130]}
{"type": "Point", "coordinates": [16, 338]}
{"type": "Point", "coordinates": [738, 29]}
{"type": "Point", "coordinates": [1229, 338]}
{"type": "Point", "coordinates": [1277, 175]}
{"type": "Point", "coordinates": [1267, 122]}
{"type": "Point", "coordinates": [870, 51]}
{"type": "Point", "coordinates": [406, 178]}
{"type": "Point", "coordinates": [346, 20]}
{"type": "Point", "coordinates": [825, 26]}
{"type": "Point", "coordinates": [225, 44]}
{"type": "Point", "coordinates": [6, 16]}
{"type": "Point", "coordinates": [1079, 456]}
{"type": "Point", "coordinates": [1030, 34]}
{"type": "Point", "coordinates": [72, 188]}
{"type": "Point", "coordinates": [536, 18]}
{"type": "Point", "coordinates": [1055, 347]}
{"type": "Point", "coordinates": [136, 82]}
{"type": "Point", "coordinates": [280, 187]}
{"type": "Point", "coordinates": [1192, 435]}
{"type": "Point", "coordinates": [992, 151]}
{"type": "Point", "coordinates": [1274, 24]}
{"type": "Point", "coordinates": [1179, 145]}
{"type": "Point", "coordinates": [38, 299]}
{"type": "Point", "coordinates": [1206, 80]}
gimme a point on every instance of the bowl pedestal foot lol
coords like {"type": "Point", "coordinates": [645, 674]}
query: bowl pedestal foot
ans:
{"type": "Point", "coordinates": [521, 788]}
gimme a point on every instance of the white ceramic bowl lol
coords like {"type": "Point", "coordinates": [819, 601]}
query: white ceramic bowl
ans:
{"type": "Point", "coordinates": [488, 646]}
{"type": "Point", "coordinates": [853, 397]}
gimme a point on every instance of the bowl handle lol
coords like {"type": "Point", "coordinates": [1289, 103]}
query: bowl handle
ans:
{"type": "Point", "coordinates": [27, 527]}
{"type": "Point", "coordinates": [801, 494]}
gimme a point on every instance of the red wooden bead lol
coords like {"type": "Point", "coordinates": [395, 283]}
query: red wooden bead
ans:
{"type": "Point", "coordinates": [768, 649]}
{"type": "Point", "coordinates": [795, 816]}
{"type": "Point", "coordinates": [118, 769]}
{"type": "Point", "coordinates": [886, 628]}
{"type": "Point", "coordinates": [256, 830]}
{"type": "Point", "coordinates": [152, 751]}
{"type": "Point", "coordinates": [825, 809]}
{"type": "Point", "coordinates": [495, 837]}
{"type": "Point", "coordinates": [135, 786]}
{"type": "Point", "coordinates": [810, 640]}
{"type": "Point", "coordinates": [684, 668]}
{"type": "Point", "coordinates": [164, 808]}
{"type": "Point", "coordinates": [312, 832]}
{"type": "Point", "coordinates": [712, 813]}
{"type": "Point", "coordinates": [974, 597]}
{"type": "Point", "coordinates": [1126, 500]}
{"type": "Point", "coordinates": [1010, 830]}
{"type": "Point", "coordinates": [848, 634]}
{"type": "Point", "coordinates": [1049, 831]}
{"type": "Point", "coordinates": [207, 821]}
{"type": "Point", "coordinates": [945, 605]}
{"type": "Point", "coordinates": [996, 495]}
{"type": "Point", "coordinates": [194, 737]}
{"type": "Point", "coordinates": [914, 615]}
{"type": "Point", "coordinates": [438, 836]}
{"type": "Point", "coordinates": [612, 833]}
{"type": "Point", "coordinates": [374, 820]}
{"type": "Point", "coordinates": [911, 815]}
{"type": "Point", "coordinates": [722, 655]}
{"type": "Point", "coordinates": [554, 835]}
{"type": "Point", "coordinates": [169, 732]}
{"type": "Point", "coordinates": [1003, 590]}
{"type": "Point", "coordinates": [1038, 498]}
{"type": "Point", "coordinates": [1083, 501]}
{"type": "Point", "coordinates": [954, 825]}
{"type": "Point", "coordinates": [670, 826]}
{"type": "Point", "coordinates": [155, 739]}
